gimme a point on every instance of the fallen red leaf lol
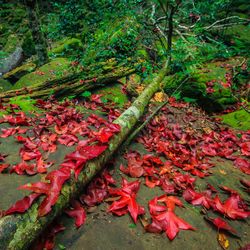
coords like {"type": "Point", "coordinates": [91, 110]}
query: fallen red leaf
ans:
{"type": "Point", "coordinates": [230, 207]}
{"type": "Point", "coordinates": [221, 224]}
{"type": "Point", "coordinates": [22, 205]}
{"type": "Point", "coordinates": [127, 201]}
{"type": "Point", "coordinates": [78, 213]}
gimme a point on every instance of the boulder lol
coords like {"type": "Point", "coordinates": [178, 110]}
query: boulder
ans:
{"type": "Point", "coordinates": [55, 69]}
{"type": "Point", "coordinates": [15, 74]}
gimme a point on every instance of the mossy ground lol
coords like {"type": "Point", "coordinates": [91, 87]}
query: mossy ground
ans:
{"type": "Point", "coordinates": [239, 119]}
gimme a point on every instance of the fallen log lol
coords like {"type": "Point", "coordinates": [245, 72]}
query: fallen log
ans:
{"type": "Point", "coordinates": [73, 84]}
{"type": "Point", "coordinates": [19, 231]}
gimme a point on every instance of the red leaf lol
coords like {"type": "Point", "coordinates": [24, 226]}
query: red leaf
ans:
{"type": "Point", "coordinates": [68, 140]}
{"type": "Point", "coordinates": [23, 168]}
{"type": "Point", "coordinates": [78, 213]}
{"type": "Point", "coordinates": [197, 198]}
{"type": "Point", "coordinates": [90, 152]}
{"type": "Point", "coordinates": [22, 205]}
{"type": "Point", "coordinates": [164, 218]}
{"type": "Point", "coordinates": [3, 167]}
{"type": "Point", "coordinates": [172, 224]}
{"type": "Point", "coordinates": [29, 155]}
{"type": "Point", "coordinates": [243, 165]}
{"type": "Point", "coordinates": [127, 200]}
{"type": "Point", "coordinates": [245, 148]}
{"type": "Point", "coordinates": [8, 132]}
{"type": "Point", "coordinates": [221, 224]}
{"type": "Point", "coordinates": [103, 135]}
{"type": "Point", "coordinates": [230, 207]}
{"type": "Point", "coordinates": [37, 187]}
{"type": "Point", "coordinates": [42, 166]}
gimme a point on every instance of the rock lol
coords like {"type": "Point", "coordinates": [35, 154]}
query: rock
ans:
{"type": "Point", "coordinates": [214, 98]}
{"type": "Point", "coordinates": [18, 72]}
{"type": "Point", "coordinates": [66, 46]}
{"type": "Point", "coordinates": [13, 54]}
{"type": "Point", "coordinates": [53, 70]}
{"type": "Point", "coordinates": [11, 61]}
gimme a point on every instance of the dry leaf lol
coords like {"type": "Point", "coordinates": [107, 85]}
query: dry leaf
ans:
{"type": "Point", "coordinates": [111, 199]}
{"type": "Point", "coordinates": [223, 241]}
{"type": "Point", "coordinates": [159, 97]}
{"type": "Point", "coordinates": [144, 221]}
{"type": "Point", "coordinates": [139, 89]}
{"type": "Point", "coordinates": [223, 172]}
{"type": "Point", "coordinates": [207, 130]}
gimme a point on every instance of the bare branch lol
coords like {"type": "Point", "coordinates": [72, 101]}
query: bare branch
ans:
{"type": "Point", "coordinates": [226, 19]}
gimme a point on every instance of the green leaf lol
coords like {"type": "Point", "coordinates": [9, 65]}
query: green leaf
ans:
{"type": "Point", "coordinates": [86, 94]}
{"type": "Point", "coordinates": [62, 247]}
{"type": "Point", "coordinates": [177, 96]}
{"type": "Point", "coordinates": [190, 100]}
{"type": "Point", "coordinates": [132, 225]}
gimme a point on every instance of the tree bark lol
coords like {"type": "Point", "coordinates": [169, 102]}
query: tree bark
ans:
{"type": "Point", "coordinates": [73, 84]}
{"type": "Point", "coordinates": [37, 34]}
{"type": "Point", "coordinates": [19, 231]}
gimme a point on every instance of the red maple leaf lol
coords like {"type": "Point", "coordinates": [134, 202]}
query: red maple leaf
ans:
{"type": "Point", "coordinates": [195, 198]}
{"type": "Point", "coordinates": [78, 213]}
{"type": "Point", "coordinates": [3, 167]}
{"type": "Point", "coordinates": [22, 205]}
{"type": "Point", "coordinates": [127, 201]}
{"type": "Point", "coordinates": [221, 224]}
{"type": "Point", "coordinates": [230, 207]}
{"type": "Point", "coordinates": [164, 218]}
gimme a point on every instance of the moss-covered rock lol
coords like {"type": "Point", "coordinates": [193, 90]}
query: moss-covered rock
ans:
{"type": "Point", "coordinates": [11, 44]}
{"type": "Point", "coordinates": [66, 46]}
{"type": "Point", "coordinates": [18, 72]}
{"type": "Point", "coordinates": [53, 70]}
{"type": "Point", "coordinates": [239, 119]}
{"type": "Point", "coordinates": [197, 86]}
{"type": "Point", "coordinates": [5, 85]}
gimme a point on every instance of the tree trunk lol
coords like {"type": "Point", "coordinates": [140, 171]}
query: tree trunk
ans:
{"type": "Point", "coordinates": [37, 34]}
{"type": "Point", "coordinates": [73, 84]}
{"type": "Point", "coordinates": [19, 231]}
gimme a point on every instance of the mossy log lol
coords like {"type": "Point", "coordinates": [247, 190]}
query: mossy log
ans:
{"type": "Point", "coordinates": [73, 84]}
{"type": "Point", "coordinates": [19, 231]}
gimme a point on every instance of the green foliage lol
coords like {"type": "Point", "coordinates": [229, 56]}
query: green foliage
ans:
{"type": "Point", "coordinates": [113, 39]}
{"type": "Point", "coordinates": [25, 104]}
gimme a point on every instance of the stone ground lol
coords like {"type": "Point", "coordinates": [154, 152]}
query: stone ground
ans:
{"type": "Point", "coordinates": [104, 231]}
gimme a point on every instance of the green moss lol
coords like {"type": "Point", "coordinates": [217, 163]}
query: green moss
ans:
{"type": "Point", "coordinates": [12, 42]}
{"type": "Point", "coordinates": [113, 93]}
{"type": "Point", "coordinates": [5, 85]}
{"type": "Point", "coordinates": [53, 70]}
{"type": "Point", "coordinates": [196, 87]}
{"type": "Point", "coordinates": [20, 71]}
{"type": "Point", "coordinates": [66, 46]}
{"type": "Point", "coordinates": [239, 119]}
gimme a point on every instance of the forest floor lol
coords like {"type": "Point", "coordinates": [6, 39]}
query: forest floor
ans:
{"type": "Point", "coordinates": [183, 123]}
